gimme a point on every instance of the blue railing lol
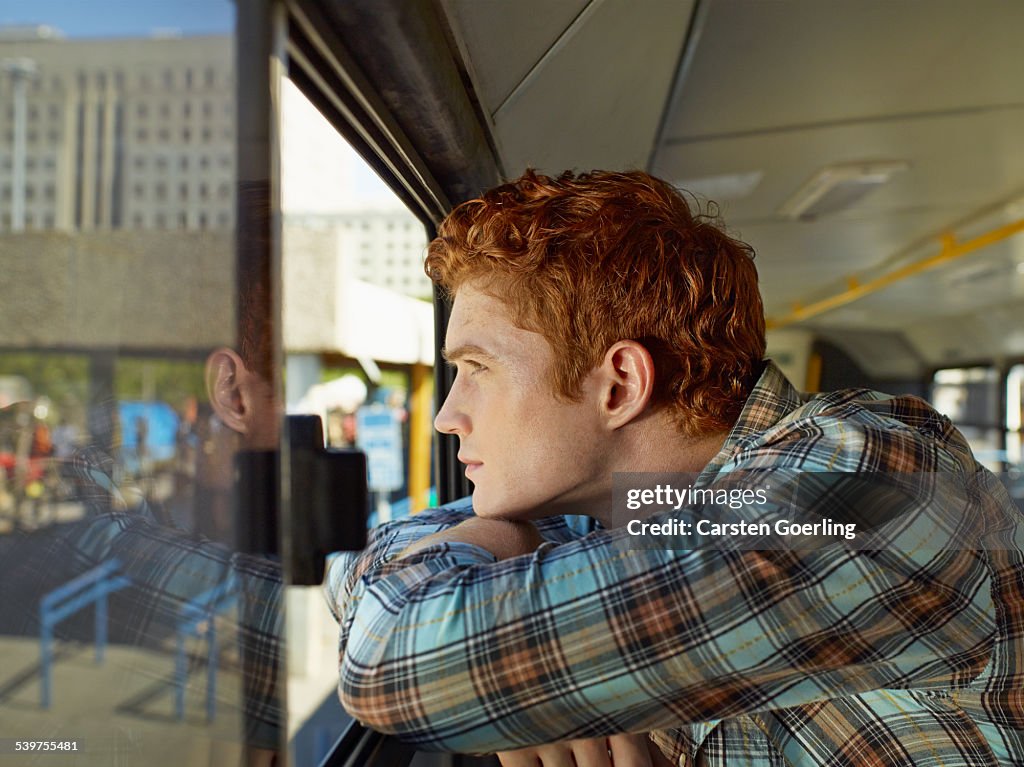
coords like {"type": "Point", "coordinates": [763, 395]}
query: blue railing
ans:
{"type": "Point", "coordinates": [196, 618]}
{"type": "Point", "coordinates": [91, 587]}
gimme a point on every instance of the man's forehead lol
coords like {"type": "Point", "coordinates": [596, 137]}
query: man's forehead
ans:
{"type": "Point", "coordinates": [482, 323]}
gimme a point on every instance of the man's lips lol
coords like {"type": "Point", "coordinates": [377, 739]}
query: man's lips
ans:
{"type": "Point", "coordinates": [471, 465]}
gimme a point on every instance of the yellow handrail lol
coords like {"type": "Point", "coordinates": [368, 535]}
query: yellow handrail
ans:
{"type": "Point", "coordinates": [950, 251]}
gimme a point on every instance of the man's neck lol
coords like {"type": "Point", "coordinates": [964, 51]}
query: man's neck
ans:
{"type": "Point", "coordinates": [660, 448]}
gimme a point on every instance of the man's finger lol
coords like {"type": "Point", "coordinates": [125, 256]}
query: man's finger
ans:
{"type": "Point", "coordinates": [591, 752]}
{"type": "Point", "coordinates": [629, 750]}
{"type": "Point", "coordinates": [523, 757]}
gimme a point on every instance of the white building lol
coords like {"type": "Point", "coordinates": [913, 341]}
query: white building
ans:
{"type": "Point", "coordinates": [383, 247]}
{"type": "Point", "coordinates": [134, 133]}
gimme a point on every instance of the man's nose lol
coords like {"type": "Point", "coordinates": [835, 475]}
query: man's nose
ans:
{"type": "Point", "coordinates": [450, 419]}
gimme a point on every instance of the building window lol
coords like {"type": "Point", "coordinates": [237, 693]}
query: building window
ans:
{"type": "Point", "coordinates": [183, 192]}
{"type": "Point", "coordinates": [160, 190]}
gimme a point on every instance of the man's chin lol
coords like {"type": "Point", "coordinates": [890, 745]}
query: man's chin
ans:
{"type": "Point", "coordinates": [486, 508]}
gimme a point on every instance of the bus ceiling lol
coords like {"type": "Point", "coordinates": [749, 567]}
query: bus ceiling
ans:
{"type": "Point", "coordinates": [846, 142]}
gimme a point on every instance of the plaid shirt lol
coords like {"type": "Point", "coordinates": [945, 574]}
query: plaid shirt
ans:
{"type": "Point", "coordinates": [907, 655]}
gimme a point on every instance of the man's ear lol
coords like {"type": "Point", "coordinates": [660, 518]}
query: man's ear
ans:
{"type": "Point", "coordinates": [225, 371]}
{"type": "Point", "coordinates": [627, 375]}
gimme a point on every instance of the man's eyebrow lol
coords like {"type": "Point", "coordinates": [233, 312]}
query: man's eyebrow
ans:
{"type": "Point", "coordinates": [466, 350]}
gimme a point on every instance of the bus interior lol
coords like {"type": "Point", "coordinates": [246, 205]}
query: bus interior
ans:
{"type": "Point", "coordinates": [869, 151]}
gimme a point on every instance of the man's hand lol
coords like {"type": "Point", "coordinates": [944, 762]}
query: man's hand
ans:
{"type": "Point", "coordinates": [503, 538]}
{"type": "Point", "coordinates": [616, 751]}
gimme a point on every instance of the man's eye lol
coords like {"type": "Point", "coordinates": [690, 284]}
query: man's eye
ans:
{"type": "Point", "coordinates": [475, 367]}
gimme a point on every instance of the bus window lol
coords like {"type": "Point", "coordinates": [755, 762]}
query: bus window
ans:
{"type": "Point", "coordinates": [358, 343]}
{"type": "Point", "coordinates": [970, 398]}
{"type": "Point", "coordinates": [1015, 415]}
{"type": "Point", "coordinates": [124, 608]}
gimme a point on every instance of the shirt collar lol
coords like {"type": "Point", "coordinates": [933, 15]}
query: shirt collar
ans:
{"type": "Point", "coordinates": [772, 399]}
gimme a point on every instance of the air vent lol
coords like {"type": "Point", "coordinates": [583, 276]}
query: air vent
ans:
{"type": "Point", "coordinates": [837, 187]}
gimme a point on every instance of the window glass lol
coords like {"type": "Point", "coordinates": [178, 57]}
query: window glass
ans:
{"type": "Point", "coordinates": [131, 629]}
{"type": "Point", "coordinates": [1015, 415]}
{"type": "Point", "coordinates": [970, 398]}
{"type": "Point", "coordinates": [358, 341]}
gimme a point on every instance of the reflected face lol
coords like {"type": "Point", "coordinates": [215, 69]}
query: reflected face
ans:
{"type": "Point", "coordinates": [528, 454]}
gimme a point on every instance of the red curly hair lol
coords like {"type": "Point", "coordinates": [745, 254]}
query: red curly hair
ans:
{"type": "Point", "coordinates": [593, 259]}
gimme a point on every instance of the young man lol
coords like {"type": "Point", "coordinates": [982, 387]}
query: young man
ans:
{"type": "Point", "coordinates": [598, 328]}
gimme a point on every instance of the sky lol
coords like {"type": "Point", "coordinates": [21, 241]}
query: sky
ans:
{"type": "Point", "coordinates": [122, 18]}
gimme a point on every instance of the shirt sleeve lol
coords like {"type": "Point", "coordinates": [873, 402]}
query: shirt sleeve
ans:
{"type": "Point", "coordinates": [167, 571]}
{"type": "Point", "coordinates": [451, 651]}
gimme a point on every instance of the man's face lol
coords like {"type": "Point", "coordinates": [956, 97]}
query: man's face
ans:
{"type": "Point", "coordinates": [527, 454]}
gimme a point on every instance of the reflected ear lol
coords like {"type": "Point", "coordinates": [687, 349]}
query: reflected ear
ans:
{"type": "Point", "coordinates": [628, 382]}
{"type": "Point", "coordinates": [224, 373]}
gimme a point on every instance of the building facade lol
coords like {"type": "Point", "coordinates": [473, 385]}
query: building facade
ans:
{"type": "Point", "coordinates": [101, 134]}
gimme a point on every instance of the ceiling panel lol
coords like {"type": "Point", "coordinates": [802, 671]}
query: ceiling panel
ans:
{"type": "Point", "coordinates": [962, 161]}
{"type": "Point", "coordinates": [504, 41]}
{"type": "Point", "coordinates": [614, 71]}
{"type": "Point", "coordinates": [765, 65]}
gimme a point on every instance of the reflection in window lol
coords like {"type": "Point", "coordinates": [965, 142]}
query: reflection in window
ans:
{"type": "Point", "coordinates": [134, 298]}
